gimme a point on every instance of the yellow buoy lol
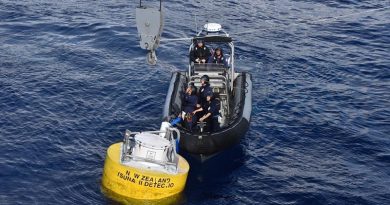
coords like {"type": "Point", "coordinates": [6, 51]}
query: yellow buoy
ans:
{"type": "Point", "coordinates": [146, 182]}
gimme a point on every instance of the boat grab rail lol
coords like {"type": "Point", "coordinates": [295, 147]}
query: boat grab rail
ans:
{"type": "Point", "coordinates": [219, 77]}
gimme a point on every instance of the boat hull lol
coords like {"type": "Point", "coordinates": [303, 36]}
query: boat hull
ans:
{"type": "Point", "coordinates": [211, 143]}
{"type": "Point", "coordinates": [208, 144]}
{"type": "Point", "coordinates": [134, 183]}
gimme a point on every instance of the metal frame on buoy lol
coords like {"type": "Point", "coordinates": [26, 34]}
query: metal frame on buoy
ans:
{"type": "Point", "coordinates": [136, 152]}
{"type": "Point", "coordinates": [145, 166]}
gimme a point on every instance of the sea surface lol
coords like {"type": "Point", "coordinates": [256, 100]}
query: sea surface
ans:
{"type": "Point", "coordinates": [73, 77]}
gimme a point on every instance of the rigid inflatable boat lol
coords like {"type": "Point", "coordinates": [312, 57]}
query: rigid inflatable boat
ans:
{"type": "Point", "coordinates": [233, 90]}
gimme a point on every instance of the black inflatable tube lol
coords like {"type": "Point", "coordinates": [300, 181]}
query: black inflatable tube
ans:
{"type": "Point", "coordinates": [212, 143]}
{"type": "Point", "coordinates": [209, 143]}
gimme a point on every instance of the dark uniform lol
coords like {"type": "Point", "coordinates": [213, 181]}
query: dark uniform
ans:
{"type": "Point", "coordinates": [204, 91]}
{"type": "Point", "coordinates": [219, 59]}
{"type": "Point", "coordinates": [190, 102]}
{"type": "Point", "coordinates": [212, 121]}
{"type": "Point", "coordinates": [201, 53]}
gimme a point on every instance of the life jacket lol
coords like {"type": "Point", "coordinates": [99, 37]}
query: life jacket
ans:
{"type": "Point", "coordinates": [201, 52]}
{"type": "Point", "coordinates": [203, 92]}
{"type": "Point", "coordinates": [190, 102]}
{"type": "Point", "coordinates": [220, 60]}
{"type": "Point", "coordinates": [212, 107]}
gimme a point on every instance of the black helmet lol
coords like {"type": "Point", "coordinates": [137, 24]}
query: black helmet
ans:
{"type": "Point", "coordinates": [205, 78]}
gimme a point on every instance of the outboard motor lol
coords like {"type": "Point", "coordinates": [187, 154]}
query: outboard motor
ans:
{"type": "Point", "coordinates": [149, 25]}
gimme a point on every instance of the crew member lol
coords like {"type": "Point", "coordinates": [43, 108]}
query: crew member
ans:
{"type": "Point", "coordinates": [218, 57]}
{"type": "Point", "coordinates": [189, 105]}
{"type": "Point", "coordinates": [201, 53]}
{"type": "Point", "coordinates": [204, 90]}
{"type": "Point", "coordinates": [210, 114]}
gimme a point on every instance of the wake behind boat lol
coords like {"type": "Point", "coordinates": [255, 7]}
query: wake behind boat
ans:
{"type": "Point", "coordinates": [232, 91]}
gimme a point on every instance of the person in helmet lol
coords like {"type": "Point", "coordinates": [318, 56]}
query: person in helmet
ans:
{"type": "Point", "coordinates": [204, 90]}
{"type": "Point", "coordinates": [189, 105]}
{"type": "Point", "coordinates": [210, 114]}
{"type": "Point", "coordinates": [201, 53]}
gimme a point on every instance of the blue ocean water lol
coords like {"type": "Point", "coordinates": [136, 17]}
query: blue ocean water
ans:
{"type": "Point", "coordinates": [73, 78]}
